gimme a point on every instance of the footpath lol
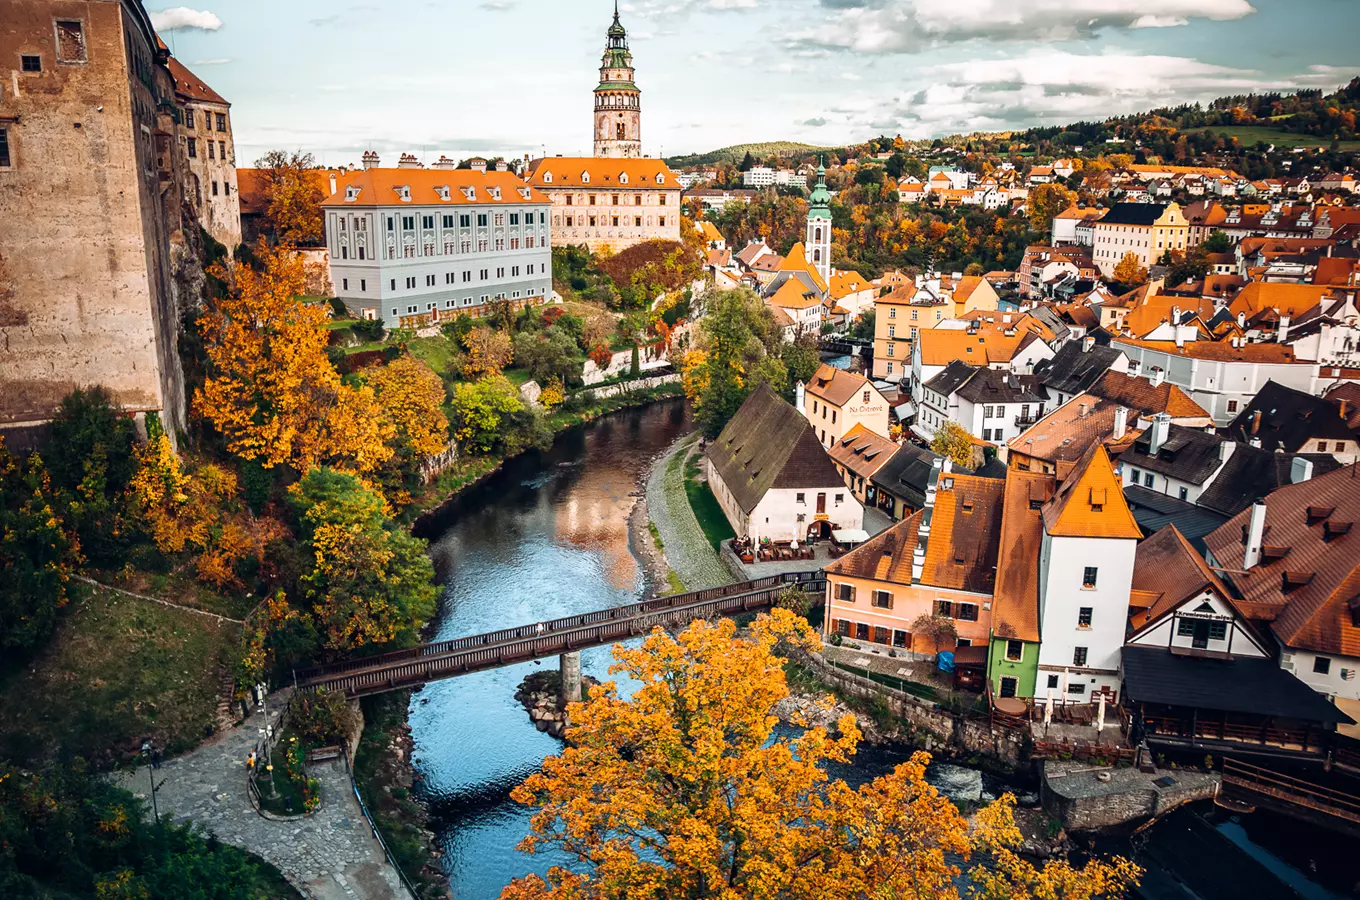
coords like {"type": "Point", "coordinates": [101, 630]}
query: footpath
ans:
{"type": "Point", "coordinates": [328, 855]}
{"type": "Point", "coordinates": [687, 548]}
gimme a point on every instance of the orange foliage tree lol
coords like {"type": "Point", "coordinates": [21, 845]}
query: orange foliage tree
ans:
{"type": "Point", "coordinates": [270, 389]}
{"type": "Point", "coordinates": [292, 197]}
{"type": "Point", "coordinates": [1130, 271]}
{"type": "Point", "coordinates": [682, 791]}
{"type": "Point", "coordinates": [412, 399]}
{"type": "Point", "coordinates": [489, 351]}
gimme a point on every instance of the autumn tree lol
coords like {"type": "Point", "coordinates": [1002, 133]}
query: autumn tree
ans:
{"type": "Point", "coordinates": [1130, 270]}
{"type": "Point", "coordinates": [953, 441]}
{"type": "Point", "coordinates": [939, 628]}
{"type": "Point", "coordinates": [734, 351]}
{"type": "Point", "coordinates": [372, 583]}
{"type": "Point", "coordinates": [411, 397]}
{"type": "Point", "coordinates": [292, 197]}
{"type": "Point", "coordinates": [480, 408]}
{"type": "Point", "coordinates": [270, 389]}
{"type": "Point", "coordinates": [489, 351]}
{"type": "Point", "coordinates": [37, 554]}
{"type": "Point", "coordinates": [1046, 201]}
{"type": "Point", "coordinates": [683, 790]}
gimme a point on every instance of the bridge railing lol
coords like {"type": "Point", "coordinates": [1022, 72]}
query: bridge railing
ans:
{"type": "Point", "coordinates": [568, 623]}
{"type": "Point", "coordinates": [1291, 790]}
{"type": "Point", "coordinates": [418, 670]}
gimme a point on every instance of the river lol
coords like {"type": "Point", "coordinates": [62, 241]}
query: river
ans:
{"type": "Point", "coordinates": [547, 537]}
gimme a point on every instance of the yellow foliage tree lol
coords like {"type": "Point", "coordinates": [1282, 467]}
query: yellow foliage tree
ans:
{"type": "Point", "coordinates": [412, 399]}
{"type": "Point", "coordinates": [682, 791]}
{"type": "Point", "coordinates": [1130, 271]}
{"type": "Point", "coordinates": [1046, 201]}
{"type": "Point", "coordinates": [270, 389]}
{"type": "Point", "coordinates": [489, 350]}
{"type": "Point", "coordinates": [953, 441]}
{"type": "Point", "coordinates": [292, 197]}
{"type": "Point", "coordinates": [552, 393]}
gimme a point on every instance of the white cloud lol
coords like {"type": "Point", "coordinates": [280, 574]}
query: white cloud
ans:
{"type": "Point", "coordinates": [905, 26]}
{"type": "Point", "coordinates": [497, 5]}
{"type": "Point", "coordinates": [1055, 87]}
{"type": "Point", "coordinates": [182, 18]}
{"type": "Point", "coordinates": [656, 9]}
{"type": "Point", "coordinates": [212, 62]}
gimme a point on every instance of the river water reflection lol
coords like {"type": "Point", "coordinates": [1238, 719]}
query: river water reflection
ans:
{"type": "Point", "coordinates": [544, 538]}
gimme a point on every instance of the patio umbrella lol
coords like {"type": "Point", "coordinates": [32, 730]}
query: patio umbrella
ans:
{"type": "Point", "coordinates": [1100, 714]}
{"type": "Point", "coordinates": [1048, 709]}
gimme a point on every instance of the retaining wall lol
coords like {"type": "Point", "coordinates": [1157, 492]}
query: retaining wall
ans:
{"type": "Point", "coordinates": [1072, 792]}
{"type": "Point", "coordinates": [629, 387]}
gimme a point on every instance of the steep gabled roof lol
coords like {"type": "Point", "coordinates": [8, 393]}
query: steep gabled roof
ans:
{"type": "Point", "coordinates": [796, 261]}
{"type": "Point", "coordinates": [1073, 369]}
{"type": "Point", "coordinates": [1188, 454]}
{"type": "Point", "coordinates": [768, 445]}
{"type": "Point", "coordinates": [1251, 473]}
{"type": "Point", "coordinates": [793, 294]}
{"type": "Point", "coordinates": [862, 451]}
{"type": "Point", "coordinates": [1166, 565]}
{"type": "Point", "coordinates": [1090, 503]}
{"type": "Point", "coordinates": [1140, 394]}
{"type": "Point", "coordinates": [836, 386]}
{"type": "Point", "coordinates": [1015, 608]}
{"type": "Point", "coordinates": [1285, 419]}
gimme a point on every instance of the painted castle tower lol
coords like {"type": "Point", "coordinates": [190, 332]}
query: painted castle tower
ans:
{"type": "Point", "coordinates": [618, 102]}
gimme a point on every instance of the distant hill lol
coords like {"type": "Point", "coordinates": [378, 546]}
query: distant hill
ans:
{"type": "Point", "coordinates": [735, 154]}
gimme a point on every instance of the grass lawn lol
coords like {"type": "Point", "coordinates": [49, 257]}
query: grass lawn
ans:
{"type": "Point", "coordinates": [518, 377]}
{"type": "Point", "coordinates": [1249, 135]}
{"type": "Point", "coordinates": [706, 509]}
{"type": "Point", "coordinates": [118, 669]}
{"type": "Point", "coordinates": [181, 588]}
{"type": "Point", "coordinates": [337, 324]}
{"type": "Point", "coordinates": [435, 352]}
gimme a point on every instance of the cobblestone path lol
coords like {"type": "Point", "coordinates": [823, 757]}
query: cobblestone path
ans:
{"type": "Point", "coordinates": [329, 855]}
{"type": "Point", "coordinates": [687, 549]}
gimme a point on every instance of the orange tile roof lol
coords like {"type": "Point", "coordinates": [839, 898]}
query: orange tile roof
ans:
{"type": "Point", "coordinates": [1287, 299]}
{"type": "Point", "coordinates": [190, 87]}
{"type": "Point", "coordinates": [796, 261]}
{"type": "Point", "coordinates": [941, 346]}
{"type": "Point", "coordinates": [1156, 310]}
{"type": "Point", "coordinates": [1064, 435]}
{"type": "Point", "coordinates": [793, 294]}
{"type": "Point", "coordinates": [843, 284]}
{"type": "Point", "coordinates": [1090, 503]}
{"type": "Point", "coordinates": [964, 289]}
{"type": "Point", "coordinates": [1218, 351]}
{"type": "Point", "coordinates": [250, 186]}
{"type": "Point", "coordinates": [603, 174]}
{"type": "Point", "coordinates": [965, 535]}
{"type": "Point", "coordinates": [836, 386]}
{"type": "Point", "coordinates": [1015, 608]}
{"type": "Point", "coordinates": [379, 187]}
{"type": "Point", "coordinates": [710, 232]}
{"type": "Point", "coordinates": [1180, 170]}
{"type": "Point", "coordinates": [1140, 395]}
{"type": "Point", "coordinates": [862, 451]}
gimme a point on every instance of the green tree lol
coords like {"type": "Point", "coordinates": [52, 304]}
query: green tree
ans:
{"type": "Point", "coordinates": [551, 353]}
{"type": "Point", "coordinates": [635, 367]}
{"type": "Point", "coordinates": [479, 408]}
{"type": "Point", "coordinates": [954, 442]}
{"type": "Point", "coordinates": [36, 554]}
{"type": "Point", "coordinates": [88, 420]}
{"type": "Point", "coordinates": [735, 342]}
{"type": "Point", "coordinates": [1217, 242]}
{"type": "Point", "coordinates": [801, 358]}
{"type": "Point", "coordinates": [373, 583]}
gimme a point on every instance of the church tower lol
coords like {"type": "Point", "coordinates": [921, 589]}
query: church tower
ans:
{"type": "Point", "coordinates": [618, 102]}
{"type": "Point", "coordinates": [818, 238]}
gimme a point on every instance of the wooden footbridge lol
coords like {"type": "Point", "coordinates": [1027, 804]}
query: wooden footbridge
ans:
{"type": "Point", "coordinates": [1267, 789]}
{"type": "Point", "coordinates": [561, 637]}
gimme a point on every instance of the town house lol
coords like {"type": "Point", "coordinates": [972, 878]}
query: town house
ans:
{"type": "Point", "coordinates": [835, 401]}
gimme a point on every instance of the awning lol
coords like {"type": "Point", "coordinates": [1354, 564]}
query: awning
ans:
{"type": "Point", "coordinates": [904, 411]}
{"type": "Point", "coordinates": [1240, 685]}
{"type": "Point", "coordinates": [849, 535]}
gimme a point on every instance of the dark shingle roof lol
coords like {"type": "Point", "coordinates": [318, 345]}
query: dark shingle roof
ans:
{"type": "Point", "coordinates": [907, 474]}
{"type": "Point", "coordinates": [1244, 684]}
{"type": "Point", "coordinates": [1289, 419]}
{"type": "Point", "coordinates": [955, 374]}
{"type": "Point", "coordinates": [1187, 454]}
{"type": "Point", "coordinates": [1133, 214]}
{"type": "Point", "coordinates": [995, 386]}
{"type": "Point", "coordinates": [1073, 369]}
{"type": "Point", "coordinates": [1251, 473]}
{"type": "Point", "coordinates": [768, 444]}
{"type": "Point", "coordinates": [1154, 511]}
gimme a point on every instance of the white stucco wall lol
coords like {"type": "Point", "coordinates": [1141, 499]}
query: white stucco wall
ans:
{"type": "Point", "coordinates": [776, 515]}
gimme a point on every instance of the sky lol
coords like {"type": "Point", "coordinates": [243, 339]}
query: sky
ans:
{"type": "Point", "coordinates": [514, 77]}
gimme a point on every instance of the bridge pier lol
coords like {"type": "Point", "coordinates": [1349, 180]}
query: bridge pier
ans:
{"type": "Point", "coordinates": [570, 666]}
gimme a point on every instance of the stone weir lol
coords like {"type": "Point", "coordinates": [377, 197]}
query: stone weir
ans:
{"type": "Point", "coordinates": [542, 695]}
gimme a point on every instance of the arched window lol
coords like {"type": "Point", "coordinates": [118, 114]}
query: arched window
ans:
{"type": "Point", "coordinates": [817, 234]}
{"type": "Point", "coordinates": [816, 256]}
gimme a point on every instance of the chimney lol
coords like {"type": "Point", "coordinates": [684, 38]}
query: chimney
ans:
{"type": "Point", "coordinates": [1282, 331]}
{"type": "Point", "coordinates": [1256, 422]}
{"type": "Point", "coordinates": [1256, 530]}
{"type": "Point", "coordinates": [1161, 429]}
{"type": "Point", "coordinates": [332, 177]}
{"type": "Point", "coordinates": [1088, 343]}
{"type": "Point", "coordinates": [1225, 450]}
{"type": "Point", "coordinates": [1300, 470]}
{"type": "Point", "coordinates": [444, 163]}
{"type": "Point", "coordinates": [1158, 376]}
{"type": "Point", "coordinates": [370, 159]}
{"type": "Point", "coordinates": [800, 399]}
{"type": "Point", "coordinates": [408, 161]}
{"type": "Point", "coordinates": [1241, 320]}
{"type": "Point", "coordinates": [1082, 409]}
{"type": "Point", "coordinates": [1255, 442]}
{"type": "Point", "coordinates": [501, 166]}
{"type": "Point", "coordinates": [477, 164]}
{"type": "Point", "coordinates": [1121, 422]}
{"type": "Point", "coordinates": [918, 558]}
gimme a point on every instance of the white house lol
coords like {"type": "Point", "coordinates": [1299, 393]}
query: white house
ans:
{"type": "Point", "coordinates": [989, 404]}
{"type": "Point", "coordinates": [774, 479]}
{"type": "Point", "coordinates": [1086, 564]}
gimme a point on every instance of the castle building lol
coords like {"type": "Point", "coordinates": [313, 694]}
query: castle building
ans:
{"type": "Point", "coordinates": [210, 154]}
{"type": "Point", "coordinates": [90, 206]}
{"type": "Point", "coordinates": [618, 102]}
{"type": "Point", "coordinates": [414, 246]}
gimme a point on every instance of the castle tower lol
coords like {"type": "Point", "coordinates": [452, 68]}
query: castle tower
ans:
{"type": "Point", "coordinates": [818, 238]}
{"type": "Point", "coordinates": [618, 102]}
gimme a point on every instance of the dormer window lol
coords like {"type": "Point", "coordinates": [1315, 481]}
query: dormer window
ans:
{"type": "Point", "coordinates": [547, 178]}
{"type": "Point", "coordinates": [585, 178]}
{"type": "Point", "coordinates": [495, 193]}
{"type": "Point", "coordinates": [623, 178]}
{"type": "Point", "coordinates": [661, 179]}
{"type": "Point", "coordinates": [470, 193]}
{"type": "Point", "coordinates": [443, 192]}
{"type": "Point", "coordinates": [404, 191]}
{"type": "Point", "coordinates": [351, 194]}
{"type": "Point", "coordinates": [524, 193]}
